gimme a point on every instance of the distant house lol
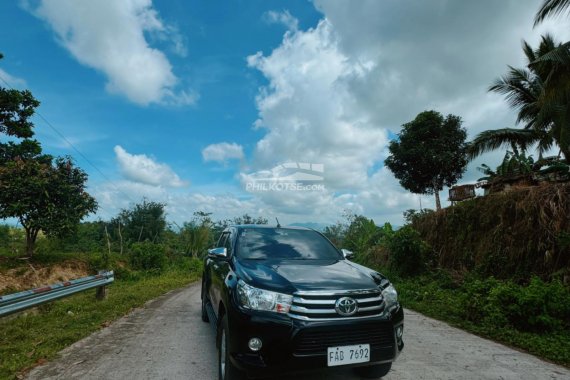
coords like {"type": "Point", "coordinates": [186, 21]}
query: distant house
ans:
{"type": "Point", "coordinates": [461, 193]}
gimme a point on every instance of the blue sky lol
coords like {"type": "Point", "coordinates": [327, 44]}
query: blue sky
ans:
{"type": "Point", "coordinates": [186, 102]}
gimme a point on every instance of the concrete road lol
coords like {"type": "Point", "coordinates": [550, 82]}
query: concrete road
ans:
{"type": "Point", "coordinates": [167, 340]}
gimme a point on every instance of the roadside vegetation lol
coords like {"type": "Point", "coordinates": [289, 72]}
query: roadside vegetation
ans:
{"type": "Point", "coordinates": [529, 311]}
{"type": "Point", "coordinates": [149, 257]}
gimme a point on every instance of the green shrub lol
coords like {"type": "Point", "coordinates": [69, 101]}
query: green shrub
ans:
{"type": "Point", "coordinates": [186, 264]}
{"type": "Point", "coordinates": [148, 256]}
{"type": "Point", "coordinates": [474, 297]}
{"type": "Point", "coordinates": [4, 235]}
{"type": "Point", "coordinates": [537, 307]}
{"type": "Point", "coordinates": [409, 254]}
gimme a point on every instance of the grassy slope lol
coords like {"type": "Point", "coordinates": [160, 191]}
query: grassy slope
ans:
{"type": "Point", "coordinates": [430, 298]}
{"type": "Point", "coordinates": [34, 338]}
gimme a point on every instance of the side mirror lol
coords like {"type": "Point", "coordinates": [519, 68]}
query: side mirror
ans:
{"type": "Point", "coordinates": [347, 254]}
{"type": "Point", "coordinates": [218, 253]}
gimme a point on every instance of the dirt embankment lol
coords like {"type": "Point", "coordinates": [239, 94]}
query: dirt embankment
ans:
{"type": "Point", "coordinates": [35, 275]}
{"type": "Point", "coordinates": [512, 234]}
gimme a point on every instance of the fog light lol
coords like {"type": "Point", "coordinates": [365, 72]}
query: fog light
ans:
{"type": "Point", "coordinates": [400, 332]}
{"type": "Point", "coordinates": [254, 344]}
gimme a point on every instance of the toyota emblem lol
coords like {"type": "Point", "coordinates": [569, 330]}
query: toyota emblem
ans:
{"type": "Point", "coordinates": [346, 306]}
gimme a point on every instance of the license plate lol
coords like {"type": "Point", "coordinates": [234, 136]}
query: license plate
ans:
{"type": "Point", "coordinates": [359, 353]}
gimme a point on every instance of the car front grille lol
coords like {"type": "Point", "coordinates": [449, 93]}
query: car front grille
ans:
{"type": "Point", "coordinates": [321, 305]}
{"type": "Point", "coordinates": [315, 341]}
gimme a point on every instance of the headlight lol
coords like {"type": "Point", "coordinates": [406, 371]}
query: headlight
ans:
{"type": "Point", "coordinates": [264, 300]}
{"type": "Point", "coordinates": [390, 296]}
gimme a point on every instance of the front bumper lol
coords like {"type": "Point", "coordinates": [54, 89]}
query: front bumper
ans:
{"type": "Point", "coordinates": [291, 345]}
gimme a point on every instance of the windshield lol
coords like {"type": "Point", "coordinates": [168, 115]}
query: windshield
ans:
{"type": "Point", "coordinates": [268, 243]}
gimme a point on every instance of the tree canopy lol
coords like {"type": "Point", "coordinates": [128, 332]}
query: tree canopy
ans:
{"type": "Point", "coordinates": [144, 221]}
{"type": "Point", "coordinates": [429, 153]}
{"type": "Point", "coordinates": [44, 196]}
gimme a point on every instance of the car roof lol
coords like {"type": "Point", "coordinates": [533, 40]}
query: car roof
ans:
{"type": "Point", "coordinates": [265, 226]}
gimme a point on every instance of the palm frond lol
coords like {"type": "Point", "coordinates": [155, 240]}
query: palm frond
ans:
{"type": "Point", "coordinates": [559, 54]}
{"type": "Point", "coordinates": [550, 8]}
{"type": "Point", "coordinates": [528, 51]}
{"type": "Point", "coordinates": [488, 141]}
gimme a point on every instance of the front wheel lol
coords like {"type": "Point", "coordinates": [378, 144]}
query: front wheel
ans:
{"type": "Point", "coordinates": [205, 317]}
{"type": "Point", "coordinates": [226, 370]}
{"type": "Point", "coordinates": [374, 371]}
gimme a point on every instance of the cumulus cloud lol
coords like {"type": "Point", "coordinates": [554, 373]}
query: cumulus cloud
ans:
{"type": "Point", "coordinates": [109, 36]}
{"type": "Point", "coordinates": [308, 111]}
{"type": "Point", "coordinates": [143, 169]}
{"type": "Point", "coordinates": [285, 18]}
{"type": "Point", "coordinates": [222, 152]}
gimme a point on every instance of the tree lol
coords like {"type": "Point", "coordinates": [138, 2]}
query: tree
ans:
{"type": "Point", "coordinates": [197, 235]}
{"type": "Point", "coordinates": [16, 109]}
{"type": "Point", "coordinates": [144, 221]}
{"type": "Point", "coordinates": [429, 153]}
{"type": "Point", "coordinates": [361, 234]}
{"type": "Point", "coordinates": [336, 233]}
{"type": "Point", "coordinates": [44, 195]}
{"type": "Point", "coordinates": [541, 95]}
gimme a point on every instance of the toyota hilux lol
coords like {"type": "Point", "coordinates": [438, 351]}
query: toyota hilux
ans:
{"type": "Point", "coordinates": [287, 300]}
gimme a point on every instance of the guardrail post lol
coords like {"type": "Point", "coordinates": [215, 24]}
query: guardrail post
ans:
{"type": "Point", "coordinates": [101, 291]}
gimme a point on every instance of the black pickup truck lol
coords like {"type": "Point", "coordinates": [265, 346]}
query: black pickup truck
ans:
{"type": "Point", "coordinates": [286, 299]}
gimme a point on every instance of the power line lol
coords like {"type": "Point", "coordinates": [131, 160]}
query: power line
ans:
{"type": "Point", "coordinates": [61, 135]}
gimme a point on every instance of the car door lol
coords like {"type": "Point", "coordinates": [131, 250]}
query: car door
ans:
{"type": "Point", "coordinates": [217, 266]}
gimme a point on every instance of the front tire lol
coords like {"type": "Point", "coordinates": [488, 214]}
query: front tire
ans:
{"type": "Point", "coordinates": [374, 371]}
{"type": "Point", "coordinates": [226, 369]}
{"type": "Point", "coordinates": [205, 317]}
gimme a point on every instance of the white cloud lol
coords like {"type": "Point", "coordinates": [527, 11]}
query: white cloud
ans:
{"type": "Point", "coordinates": [109, 36]}
{"type": "Point", "coordinates": [12, 80]}
{"type": "Point", "coordinates": [222, 152]}
{"type": "Point", "coordinates": [309, 112]}
{"type": "Point", "coordinates": [143, 169]}
{"type": "Point", "coordinates": [285, 18]}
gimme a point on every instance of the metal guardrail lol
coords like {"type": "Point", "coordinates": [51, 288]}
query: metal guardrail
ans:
{"type": "Point", "coordinates": [13, 303]}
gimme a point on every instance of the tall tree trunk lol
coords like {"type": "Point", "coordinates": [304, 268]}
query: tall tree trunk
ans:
{"type": "Point", "coordinates": [436, 192]}
{"type": "Point", "coordinates": [108, 240]}
{"type": "Point", "coordinates": [120, 238]}
{"type": "Point", "coordinates": [437, 201]}
{"type": "Point", "coordinates": [31, 235]}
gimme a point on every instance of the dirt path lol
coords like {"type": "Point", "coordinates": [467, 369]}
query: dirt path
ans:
{"type": "Point", "coordinates": [168, 340]}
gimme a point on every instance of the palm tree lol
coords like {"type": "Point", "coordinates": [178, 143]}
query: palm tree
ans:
{"type": "Point", "coordinates": [540, 93]}
{"type": "Point", "coordinates": [551, 8]}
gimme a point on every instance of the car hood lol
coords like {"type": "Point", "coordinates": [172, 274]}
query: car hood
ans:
{"type": "Point", "coordinates": [289, 276]}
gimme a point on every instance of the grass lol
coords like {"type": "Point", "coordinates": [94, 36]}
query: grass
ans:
{"type": "Point", "coordinates": [36, 337]}
{"type": "Point", "coordinates": [439, 298]}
